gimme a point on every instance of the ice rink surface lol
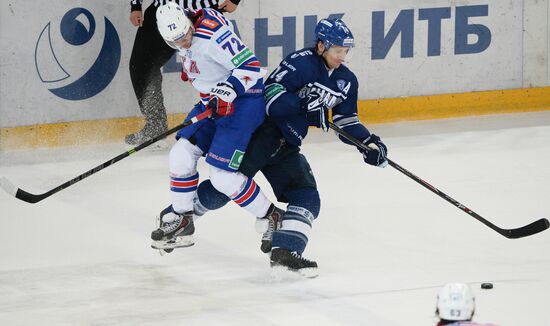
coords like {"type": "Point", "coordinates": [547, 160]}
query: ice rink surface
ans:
{"type": "Point", "coordinates": [384, 244]}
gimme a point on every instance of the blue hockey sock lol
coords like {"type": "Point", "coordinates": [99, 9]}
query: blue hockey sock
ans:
{"type": "Point", "coordinates": [303, 208]}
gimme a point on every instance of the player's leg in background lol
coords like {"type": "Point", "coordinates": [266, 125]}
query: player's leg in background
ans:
{"type": "Point", "coordinates": [233, 134]}
{"type": "Point", "coordinates": [293, 182]}
{"type": "Point", "coordinates": [265, 142]}
{"type": "Point", "coordinates": [149, 54]}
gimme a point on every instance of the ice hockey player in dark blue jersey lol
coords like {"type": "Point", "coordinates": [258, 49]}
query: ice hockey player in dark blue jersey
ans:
{"type": "Point", "coordinates": [299, 94]}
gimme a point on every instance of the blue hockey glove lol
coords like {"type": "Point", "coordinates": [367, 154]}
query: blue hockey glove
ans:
{"type": "Point", "coordinates": [221, 99]}
{"type": "Point", "coordinates": [316, 111]}
{"type": "Point", "coordinates": [376, 154]}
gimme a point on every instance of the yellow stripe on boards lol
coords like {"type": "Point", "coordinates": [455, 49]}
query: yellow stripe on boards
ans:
{"type": "Point", "coordinates": [370, 111]}
{"type": "Point", "coordinates": [454, 105]}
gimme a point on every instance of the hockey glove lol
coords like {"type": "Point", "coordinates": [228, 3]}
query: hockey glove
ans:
{"type": "Point", "coordinates": [316, 111]}
{"type": "Point", "coordinates": [221, 99]}
{"type": "Point", "coordinates": [376, 154]}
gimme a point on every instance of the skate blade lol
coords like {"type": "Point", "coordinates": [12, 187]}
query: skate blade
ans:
{"type": "Point", "coordinates": [163, 252]}
{"type": "Point", "coordinates": [180, 242]}
{"type": "Point", "coordinates": [309, 272]}
{"type": "Point", "coordinates": [280, 272]}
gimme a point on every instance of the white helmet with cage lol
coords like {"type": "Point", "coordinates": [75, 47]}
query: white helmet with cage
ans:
{"type": "Point", "coordinates": [455, 301]}
{"type": "Point", "coordinates": [172, 23]}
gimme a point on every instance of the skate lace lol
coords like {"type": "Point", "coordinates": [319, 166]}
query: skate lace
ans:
{"type": "Point", "coordinates": [172, 226]}
{"type": "Point", "coordinates": [272, 225]}
{"type": "Point", "coordinates": [295, 254]}
{"type": "Point", "coordinates": [270, 229]}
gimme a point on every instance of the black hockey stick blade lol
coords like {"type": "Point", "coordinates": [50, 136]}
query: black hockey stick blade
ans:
{"type": "Point", "coordinates": [20, 193]}
{"type": "Point", "coordinates": [524, 231]}
{"type": "Point", "coordinates": [11, 189]}
{"type": "Point", "coordinates": [527, 230]}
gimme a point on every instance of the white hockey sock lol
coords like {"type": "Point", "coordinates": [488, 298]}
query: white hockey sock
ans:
{"type": "Point", "coordinates": [241, 189]}
{"type": "Point", "coordinates": [184, 178]}
{"type": "Point", "coordinates": [252, 199]}
{"type": "Point", "coordinates": [183, 191]}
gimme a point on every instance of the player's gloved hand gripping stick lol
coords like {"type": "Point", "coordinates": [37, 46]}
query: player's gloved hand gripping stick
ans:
{"type": "Point", "coordinates": [32, 198]}
{"type": "Point", "coordinates": [221, 100]}
{"type": "Point", "coordinates": [524, 231]}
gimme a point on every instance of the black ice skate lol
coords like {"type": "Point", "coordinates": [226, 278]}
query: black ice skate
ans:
{"type": "Point", "coordinates": [274, 219]}
{"type": "Point", "coordinates": [175, 231]}
{"type": "Point", "coordinates": [293, 262]}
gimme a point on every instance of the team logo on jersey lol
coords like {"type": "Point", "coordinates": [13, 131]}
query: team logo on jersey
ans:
{"type": "Point", "coordinates": [236, 159]}
{"type": "Point", "coordinates": [222, 38]}
{"type": "Point", "coordinates": [341, 84]}
{"type": "Point", "coordinates": [210, 23]}
{"type": "Point", "coordinates": [193, 67]}
{"type": "Point", "coordinates": [318, 93]}
{"type": "Point", "coordinates": [72, 60]}
{"type": "Point", "coordinates": [242, 57]}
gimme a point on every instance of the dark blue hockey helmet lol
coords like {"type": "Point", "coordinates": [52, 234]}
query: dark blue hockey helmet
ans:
{"type": "Point", "coordinates": [334, 31]}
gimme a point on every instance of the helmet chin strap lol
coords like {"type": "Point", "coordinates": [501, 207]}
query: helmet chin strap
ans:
{"type": "Point", "coordinates": [321, 54]}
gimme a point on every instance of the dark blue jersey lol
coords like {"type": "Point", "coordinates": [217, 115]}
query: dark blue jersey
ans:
{"type": "Point", "coordinates": [304, 72]}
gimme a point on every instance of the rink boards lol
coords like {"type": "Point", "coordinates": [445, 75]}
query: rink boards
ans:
{"type": "Point", "coordinates": [64, 77]}
{"type": "Point", "coordinates": [370, 112]}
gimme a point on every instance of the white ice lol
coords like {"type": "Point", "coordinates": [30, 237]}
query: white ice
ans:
{"type": "Point", "coordinates": [384, 244]}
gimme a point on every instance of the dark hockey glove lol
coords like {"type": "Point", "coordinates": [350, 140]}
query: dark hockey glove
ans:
{"type": "Point", "coordinates": [221, 99]}
{"type": "Point", "coordinates": [316, 111]}
{"type": "Point", "coordinates": [376, 154]}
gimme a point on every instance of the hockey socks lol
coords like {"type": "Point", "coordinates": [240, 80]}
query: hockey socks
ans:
{"type": "Point", "coordinates": [252, 199]}
{"type": "Point", "coordinates": [241, 189]}
{"type": "Point", "coordinates": [295, 229]}
{"type": "Point", "coordinates": [183, 191]}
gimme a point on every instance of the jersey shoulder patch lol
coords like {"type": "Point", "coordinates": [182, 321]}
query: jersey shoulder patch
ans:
{"type": "Point", "coordinates": [209, 22]}
{"type": "Point", "coordinates": [301, 59]}
{"type": "Point", "coordinates": [301, 53]}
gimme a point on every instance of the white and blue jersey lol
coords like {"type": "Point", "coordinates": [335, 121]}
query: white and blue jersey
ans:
{"type": "Point", "coordinates": [218, 55]}
{"type": "Point", "coordinates": [300, 74]}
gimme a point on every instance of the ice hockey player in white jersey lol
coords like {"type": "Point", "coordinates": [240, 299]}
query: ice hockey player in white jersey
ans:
{"type": "Point", "coordinates": [456, 306]}
{"type": "Point", "coordinates": [229, 79]}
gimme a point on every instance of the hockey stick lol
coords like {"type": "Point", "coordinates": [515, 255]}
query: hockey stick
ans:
{"type": "Point", "coordinates": [21, 194]}
{"type": "Point", "coordinates": [524, 231]}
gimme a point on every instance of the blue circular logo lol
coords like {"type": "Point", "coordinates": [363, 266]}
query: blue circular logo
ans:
{"type": "Point", "coordinates": [77, 28]}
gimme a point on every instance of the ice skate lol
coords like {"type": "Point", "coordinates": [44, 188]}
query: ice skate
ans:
{"type": "Point", "coordinates": [268, 224]}
{"type": "Point", "coordinates": [282, 258]}
{"type": "Point", "coordinates": [174, 231]}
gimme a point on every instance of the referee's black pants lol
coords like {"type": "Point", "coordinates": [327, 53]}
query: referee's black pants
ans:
{"type": "Point", "coordinates": [149, 54]}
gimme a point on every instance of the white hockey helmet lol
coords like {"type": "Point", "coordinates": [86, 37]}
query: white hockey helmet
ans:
{"type": "Point", "coordinates": [172, 23]}
{"type": "Point", "coordinates": [455, 301]}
